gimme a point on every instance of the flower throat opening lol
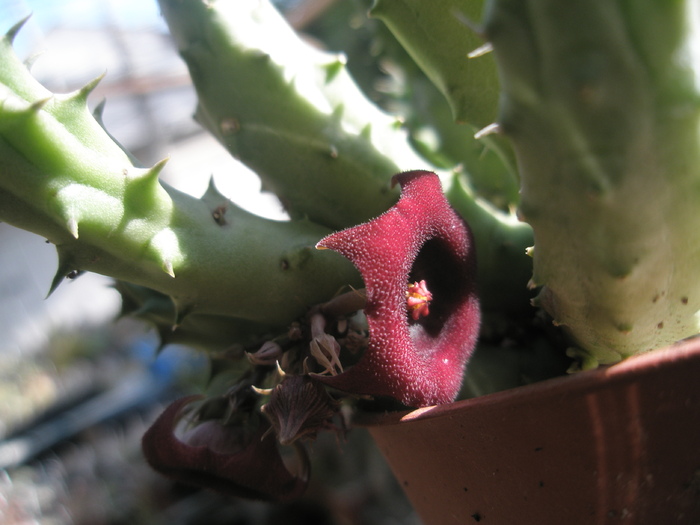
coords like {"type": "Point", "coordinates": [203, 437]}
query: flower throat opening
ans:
{"type": "Point", "coordinates": [442, 271]}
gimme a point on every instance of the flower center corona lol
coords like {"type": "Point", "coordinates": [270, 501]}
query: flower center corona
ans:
{"type": "Point", "coordinates": [418, 299]}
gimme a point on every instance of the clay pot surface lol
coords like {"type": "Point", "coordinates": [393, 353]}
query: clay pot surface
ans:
{"type": "Point", "coordinates": [615, 445]}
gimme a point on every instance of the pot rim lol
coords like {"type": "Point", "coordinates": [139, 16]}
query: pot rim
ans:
{"type": "Point", "coordinates": [630, 369]}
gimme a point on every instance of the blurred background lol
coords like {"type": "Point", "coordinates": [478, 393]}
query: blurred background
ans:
{"type": "Point", "coordinates": [77, 388]}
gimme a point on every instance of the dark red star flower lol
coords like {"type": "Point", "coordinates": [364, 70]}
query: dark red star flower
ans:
{"type": "Point", "coordinates": [239, 460]}
{"type": "Point", "coordinates": [419, 268]}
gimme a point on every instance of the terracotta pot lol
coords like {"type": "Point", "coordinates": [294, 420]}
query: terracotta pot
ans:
{"type": "Point", "coordinates": [615, 445]}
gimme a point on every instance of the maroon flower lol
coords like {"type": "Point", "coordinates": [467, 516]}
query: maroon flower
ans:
{"type": "Point", "coordinates": [419, 268]}
{"type": "Point", "coordinates": [232, 459]}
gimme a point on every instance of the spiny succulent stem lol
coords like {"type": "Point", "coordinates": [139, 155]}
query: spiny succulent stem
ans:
{"type": "Point", "coordinates": [63, 177]}
{"type": "Point", "coordinates": [603, 112]}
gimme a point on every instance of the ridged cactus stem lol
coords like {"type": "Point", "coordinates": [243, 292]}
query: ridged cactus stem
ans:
{"type": "Point", "coordinates": [438, 38]}
{"type": "Point", "coordinates": [289, 111]}
{"type": "Point", "coordinates": [294, 115]}
{"type": "Point", "coordinates": [600, 102]}
{"type": "Point", "coordinates": [63, 177]}
{"type": "Point", "coordinates": [501, 244]}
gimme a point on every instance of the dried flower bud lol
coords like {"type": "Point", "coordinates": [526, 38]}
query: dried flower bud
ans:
{"type": "Point", "coordinates": [238, 460]}
{"type": "Point", "coordinates": [295, 333]}
{"type": "Point", "coordinates": [326, 350]}
{"type": "Point", "coordinates": [268, 354]}
{"type": "Point", "coordinates": [298, 408]}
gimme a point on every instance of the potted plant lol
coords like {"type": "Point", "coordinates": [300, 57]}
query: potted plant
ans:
{"type": "Point", "coordinates": [583, 117]}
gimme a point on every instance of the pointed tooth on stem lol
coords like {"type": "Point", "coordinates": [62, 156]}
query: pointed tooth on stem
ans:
{"type": "Point", "coordinates": [481, 50]}
{"type": "Point", "coordinates": [491, 129]}
{"type": "Point", "coordinates": [12, 32]}
{"type": "Point", "coordinates": [31, 60]}
{"type": "Point", "coordinates": [65, 268]}
{"type": "Point", "coordinates": [72, 226]}
{"type": "Point", "coordinates": [98, 112]}
{"type": "Point", "coordinates": [168, 267]}
{"type": "Point", "coordinates": [83, 93]}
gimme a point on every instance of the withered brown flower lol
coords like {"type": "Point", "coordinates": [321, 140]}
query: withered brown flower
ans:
{"type": "Point", "coordinates": [239, 460]}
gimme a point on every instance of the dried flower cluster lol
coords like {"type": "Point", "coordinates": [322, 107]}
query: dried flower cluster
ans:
{"type": "Point", "coordinates": [418, 265]}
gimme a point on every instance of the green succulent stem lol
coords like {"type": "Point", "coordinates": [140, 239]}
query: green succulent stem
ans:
{"type": "Point", "coordinates": [441, 37]}
{"type": "Point", "coordinates": [63, 177]}
{"type": "Point", "coordinates": [600, 102]}
{"type": "Point", "coordinates": [438, 37]}
{"type": "Point", "coordinates": [501, 245]}
{"type": "Point", "coordinates": [290, 112]}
